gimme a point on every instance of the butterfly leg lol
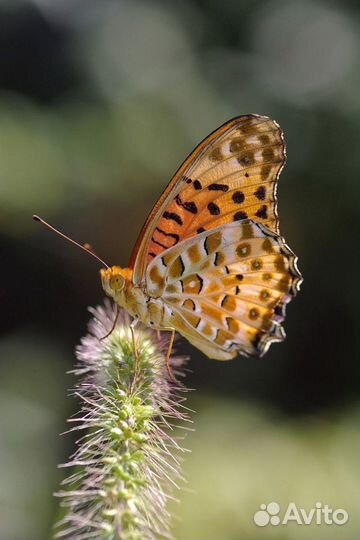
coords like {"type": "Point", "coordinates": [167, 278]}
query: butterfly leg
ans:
{"type": "Point", "coordinates": [113, 325]}
{"type": "Point", "coordinates": [168, 354]}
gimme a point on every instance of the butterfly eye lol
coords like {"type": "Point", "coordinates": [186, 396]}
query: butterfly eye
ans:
{"type": "Point", "coordinates": [117, 282]}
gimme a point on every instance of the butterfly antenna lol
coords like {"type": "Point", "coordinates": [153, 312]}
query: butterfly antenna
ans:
{"type": "Point", "coordinates": [85, 247]}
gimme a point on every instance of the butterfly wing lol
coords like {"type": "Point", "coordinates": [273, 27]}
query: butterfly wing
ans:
{"type": "Point", "coordinates": [227, 288]}
{"type": "Point", "coordinates": [230, 176]}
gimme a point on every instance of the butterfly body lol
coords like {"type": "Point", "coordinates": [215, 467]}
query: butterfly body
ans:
{"type": "Point", "coordinates": [119, 286]}
{"type": "Point", "coordinates": [210, 262]}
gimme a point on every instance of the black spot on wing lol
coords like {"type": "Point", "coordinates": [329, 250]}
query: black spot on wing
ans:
{"type": "Point", "coordinates": [260, 193]}
{"type": "Point", "coordinates": [190, 206]}
{"type": "Point", "coordinates": [213, 209]}
{"type": "Point", "coordinates": [173, 216]}
{"type": "Point", "coordinates": [238, 197]}
{"type": "Point", "coordinates": [159, 243]}
{"type": "Point", "coordinates": [238, 216]}
{"type": "Point", "coordinates": [218, 187]}
{"type": "Point", "coordinates": [170, 235]}
{"type": "Point", "coordinates": [262, 212]}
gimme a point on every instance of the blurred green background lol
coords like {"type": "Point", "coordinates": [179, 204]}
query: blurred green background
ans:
{"type": "Point", "coordinates": [100, 101]}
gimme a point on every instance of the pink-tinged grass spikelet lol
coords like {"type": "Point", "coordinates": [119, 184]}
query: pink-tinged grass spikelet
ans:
{"type": "Point", "coordinates": [127, 462]}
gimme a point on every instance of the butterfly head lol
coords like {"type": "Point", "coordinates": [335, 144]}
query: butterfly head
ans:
{"type": "Point", "coordinates": [114, 280]}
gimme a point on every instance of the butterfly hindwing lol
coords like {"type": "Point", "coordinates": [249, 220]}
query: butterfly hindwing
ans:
{"type": "Point", "coordinates": [227, 288]}
{"type": "Point", "coordinates": [230, 176]}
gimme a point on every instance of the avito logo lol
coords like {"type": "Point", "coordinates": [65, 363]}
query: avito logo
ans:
{"type": "Point", "coordinates": [319, 515]}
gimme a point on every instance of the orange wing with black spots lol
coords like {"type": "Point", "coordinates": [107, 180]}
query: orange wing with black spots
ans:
{"type": "Point", "coordinates": [226, 290]}
{"type": "Point", "coordinates": [230, 176]}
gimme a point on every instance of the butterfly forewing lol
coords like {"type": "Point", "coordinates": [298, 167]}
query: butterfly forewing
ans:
{"type": "Point", "coordinates": [227, 288]}
{"type": "Point", "coordinates": [230, 176]}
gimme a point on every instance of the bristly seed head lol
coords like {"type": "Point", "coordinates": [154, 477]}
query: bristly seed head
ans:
{"type": "Point", "coordinates": [126, 462]}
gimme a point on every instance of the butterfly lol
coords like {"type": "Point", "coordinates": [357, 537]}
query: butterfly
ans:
{"type": "Point", "coordinates": [210, 262]}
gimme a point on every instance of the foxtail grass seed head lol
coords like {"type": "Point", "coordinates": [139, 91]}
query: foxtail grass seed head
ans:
{"type": "Point", "coordinates": [126, 463]}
